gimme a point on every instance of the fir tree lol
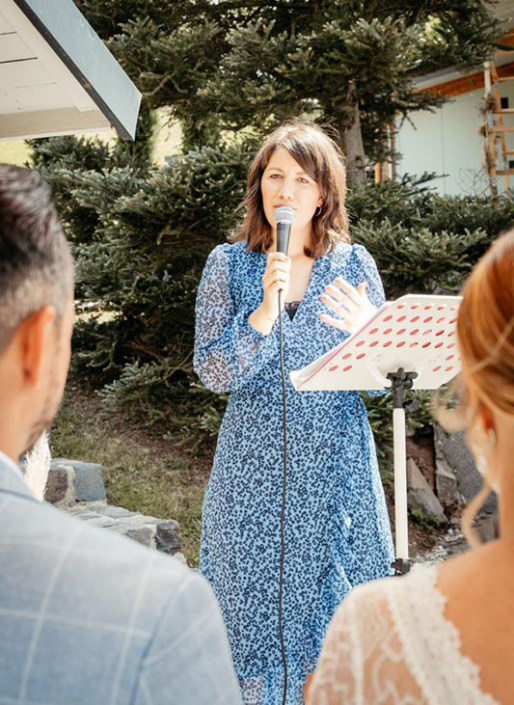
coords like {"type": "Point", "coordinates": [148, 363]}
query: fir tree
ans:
{"type": "Point", "coordinates": [349, 63]}
{"type": "Point", "coordinates": [141, 234]}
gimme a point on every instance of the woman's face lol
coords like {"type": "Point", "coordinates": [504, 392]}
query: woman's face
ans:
{"type": "Point", "coordinates": [285, 183]}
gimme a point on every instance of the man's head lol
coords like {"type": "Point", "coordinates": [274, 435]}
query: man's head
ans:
{"type": "Point", "coordinates": [36, 309]}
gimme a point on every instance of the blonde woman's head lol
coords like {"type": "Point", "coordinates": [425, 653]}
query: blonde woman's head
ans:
{"type": "Point", "coordinates": [485, 331]}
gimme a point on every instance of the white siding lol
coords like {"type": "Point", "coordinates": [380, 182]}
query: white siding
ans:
{"type": "Point", "coordinates": [448, 142]}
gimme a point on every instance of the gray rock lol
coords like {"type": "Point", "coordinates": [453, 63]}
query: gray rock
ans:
{"type": "Point", "coordinates": [84, 482]}
{"type": "Point", "coordinates": [102, 522]}
{"type": "Point", "coordinates": [142, 519]}
{"type": "Point", "coordinates": [115, 512]}
{"type": "Point", "coordinates": [419, 494]}
{"type": "Point", "coordinates": [446, 484]}
{"type": "Point", "coordinates": [163, 534]}
{"type": "Point", "coordinates": [89, 516]}
{"type": "Point", "coordinates": [486, 525]}
{"type": "Point", "coordinates": [168, 538]}
{"type": "Point", "coordinates": [60, 485]}
{"type": "Point", "coordinates": [89, 482]}
{"type": "Point", "coordinates": [142, 534]}
{"type": "Point", "coordinates": [453, 450]}
{"type": "Point", "coordinates": [56, 485]}
{"type": "Point", "coordinates": [180, 556]}
{"type": "Point", "coordinates": [78, 488]}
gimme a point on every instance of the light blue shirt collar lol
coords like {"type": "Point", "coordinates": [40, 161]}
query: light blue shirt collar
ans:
{"type": "Point", "coordinates": [11, 464]}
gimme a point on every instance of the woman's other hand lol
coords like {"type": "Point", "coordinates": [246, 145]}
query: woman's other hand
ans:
{"type": "Point", "coordinates": [351, 304]}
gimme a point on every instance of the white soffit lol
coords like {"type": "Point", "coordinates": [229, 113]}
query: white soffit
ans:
{"type": "Point", "coordinates": [56, 75]}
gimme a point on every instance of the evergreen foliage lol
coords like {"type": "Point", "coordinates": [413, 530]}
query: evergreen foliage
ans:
{"type": "Point", "coordinates": [236, 63]}
{"type": "Point", "coordinates": [140, 271]}
{"type": "Point", "coordinates": [141, 234]}
{"type": "Point", "coordinates": [141, 268]}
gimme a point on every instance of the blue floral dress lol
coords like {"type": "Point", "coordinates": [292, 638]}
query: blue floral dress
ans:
{"type": "Point", "coordinates": [337, 528]}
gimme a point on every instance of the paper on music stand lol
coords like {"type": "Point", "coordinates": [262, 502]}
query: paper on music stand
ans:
{"type": "Point", "coordinates": [416, 332]}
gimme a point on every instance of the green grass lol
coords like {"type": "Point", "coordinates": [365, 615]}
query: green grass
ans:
{"type": "Point", "coordinates": [142, 472]}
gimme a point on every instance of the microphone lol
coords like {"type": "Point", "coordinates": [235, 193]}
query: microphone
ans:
{"type": "Point", "coordinates": [284, 218]}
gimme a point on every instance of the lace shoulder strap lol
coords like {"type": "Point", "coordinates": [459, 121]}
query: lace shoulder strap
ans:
{"type": "Point", "coordinates": [431, 644]}
{"type": "Point", "coordinates": [389, 642]}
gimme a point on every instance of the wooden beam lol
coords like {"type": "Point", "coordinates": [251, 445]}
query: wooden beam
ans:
{"type": "Point", "coordinates": [469, 83]}
{"type": "Point", "coordinates": [507, 40]}
{"type": "Point", "coordinates": [499, 128]}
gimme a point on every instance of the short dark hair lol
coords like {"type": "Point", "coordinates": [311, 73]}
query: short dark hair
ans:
{"type": "Point", "coordinates": [322, 159]}
{"type": "Point", "coordinates": [36, 266]}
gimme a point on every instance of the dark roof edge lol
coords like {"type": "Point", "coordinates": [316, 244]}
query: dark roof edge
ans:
{"type": "Point", "coordinates": [82, 51]}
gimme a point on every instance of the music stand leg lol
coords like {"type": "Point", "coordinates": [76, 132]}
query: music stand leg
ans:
{"type": "Point", "coordinates": [401, 380]}
{"type": "Point", "coordinates": [401, 564]}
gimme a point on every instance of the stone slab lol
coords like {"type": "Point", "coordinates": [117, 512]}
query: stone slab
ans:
{"type": "Point", "coordinates": [161, 534]}
{"type": "Point", "coordinates": [419, 494]}
{"type": "Point", "coordinates": [453, 448]}
{"type": "Point", "coordinates": [447, 485]}
{"type": "Point", "coordinates": [84, 482]}
{"type": "Point", "coordinates": [168, 538]}
{"type": "Point", "coordinates": [115, 512]}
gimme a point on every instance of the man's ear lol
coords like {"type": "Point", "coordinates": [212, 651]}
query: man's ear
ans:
{"type": "Point", "coordinates": [34, 335]}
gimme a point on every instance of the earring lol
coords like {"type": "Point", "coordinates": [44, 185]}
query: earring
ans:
{"type": "Point", "coordinates": [318, 211]}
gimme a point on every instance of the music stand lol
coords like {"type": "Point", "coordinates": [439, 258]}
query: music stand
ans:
{"type": "Point", "coordinates": [409, 343]}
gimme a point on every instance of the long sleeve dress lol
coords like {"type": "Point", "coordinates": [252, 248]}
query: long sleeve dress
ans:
{"type": "Point", "coordinates": [337, 530]}
{"type": "Point", "coordinates": [390, 642]}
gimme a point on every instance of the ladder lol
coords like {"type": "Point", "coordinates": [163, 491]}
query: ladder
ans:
{"type": "Point", "coordinates": [497, 152]}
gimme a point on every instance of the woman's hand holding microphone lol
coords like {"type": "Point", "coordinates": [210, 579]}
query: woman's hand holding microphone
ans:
{"type": "Point", "coordinates": [275, 278]}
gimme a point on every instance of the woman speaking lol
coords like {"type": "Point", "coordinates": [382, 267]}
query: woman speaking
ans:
{"type": "Point", "coordinates": [336, 525]}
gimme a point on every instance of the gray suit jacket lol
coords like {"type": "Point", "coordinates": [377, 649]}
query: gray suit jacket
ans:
{"type": "Point", "coordinates": [88, 617]}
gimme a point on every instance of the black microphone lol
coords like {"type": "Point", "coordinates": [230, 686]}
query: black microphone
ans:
{"type": "Point", "coordinates": [284, 218]}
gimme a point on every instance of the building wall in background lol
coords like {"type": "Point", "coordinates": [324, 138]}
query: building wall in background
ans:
{"type": "Point", "coordinates": [448, 142]}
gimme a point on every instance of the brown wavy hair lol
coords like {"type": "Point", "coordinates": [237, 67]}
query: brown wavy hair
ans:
{"type": "Point", "coordinates": [321, 158]}
{"type": "Point", "coordinates": [485, 333]}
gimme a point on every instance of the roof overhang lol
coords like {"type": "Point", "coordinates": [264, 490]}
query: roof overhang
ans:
{"type": "Point", "coordinates": [504, 12]}
{"type": "Point", "coordinates": [57, 76]}
{"type": "Point", "coordinates": [445, 77]}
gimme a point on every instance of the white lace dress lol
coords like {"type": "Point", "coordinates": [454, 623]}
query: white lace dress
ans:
{"type": "Point", "coordinates": [389, 643]}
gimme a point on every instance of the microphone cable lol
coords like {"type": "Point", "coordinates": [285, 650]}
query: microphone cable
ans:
{"type": "Point", "coordinates": [284, 218]}
{"type": "Point", "coordinates": [284, 497]}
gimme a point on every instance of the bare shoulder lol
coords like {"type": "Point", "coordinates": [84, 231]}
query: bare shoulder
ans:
{"type": "Point", "coordinates": [479, 601]}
